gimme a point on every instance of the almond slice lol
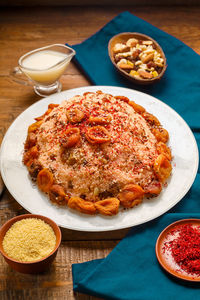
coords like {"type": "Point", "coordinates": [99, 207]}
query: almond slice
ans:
{"type": "Point", "coordinates": [144, 74]}
{"type": "Point", "coordinates": [147, 58]}
{"type": "Point", "coordinates": [126, 66]}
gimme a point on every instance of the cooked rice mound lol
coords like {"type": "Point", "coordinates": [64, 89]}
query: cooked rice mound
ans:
{"type": "Point", "coordinates": [96, 147]}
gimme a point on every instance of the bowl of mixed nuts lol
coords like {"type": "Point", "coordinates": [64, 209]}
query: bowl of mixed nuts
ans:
{"type": "Point", "coordinates": [137, 57]}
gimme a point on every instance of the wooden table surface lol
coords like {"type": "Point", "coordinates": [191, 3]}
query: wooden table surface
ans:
{"type": "Point", "coordinates": [24, 29]}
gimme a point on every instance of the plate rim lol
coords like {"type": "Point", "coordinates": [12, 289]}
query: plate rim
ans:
{"type": "Point", "coordinates": [99, 87]}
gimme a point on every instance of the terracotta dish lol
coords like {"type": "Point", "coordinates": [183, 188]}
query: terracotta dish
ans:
{"type": "Point", "coordinates": [122, 39]}
{"type": "Point", "coordinates": [166, 262]}
{"type": "Point", "coordinates": [36, 266]}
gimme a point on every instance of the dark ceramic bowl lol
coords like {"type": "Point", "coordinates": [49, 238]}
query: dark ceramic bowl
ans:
{"type": "Point", "coordinates": [123, 38]}
{"type": "Point", "coordinates": [36, 266]}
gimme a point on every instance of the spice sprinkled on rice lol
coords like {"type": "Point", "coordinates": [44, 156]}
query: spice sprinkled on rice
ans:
{"type": "Point", "coordinates": [95, 152]}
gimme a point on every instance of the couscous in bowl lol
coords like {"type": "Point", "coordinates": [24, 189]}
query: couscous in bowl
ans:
{"type": "Point", "coordinates": [33, 266]}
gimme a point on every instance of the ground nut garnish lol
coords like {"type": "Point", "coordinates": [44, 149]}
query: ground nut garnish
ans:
{"type": "Point", "coordinates": [139, 58]}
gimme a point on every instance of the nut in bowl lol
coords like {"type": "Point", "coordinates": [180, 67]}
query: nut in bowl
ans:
{"type": "Point", "coordinates": [29, 243]}
{"type": "Point", "coordinates": [137, 57]}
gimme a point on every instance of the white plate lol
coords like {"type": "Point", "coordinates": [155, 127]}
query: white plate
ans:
{"type": "Point", "coordinates": [185, 163]}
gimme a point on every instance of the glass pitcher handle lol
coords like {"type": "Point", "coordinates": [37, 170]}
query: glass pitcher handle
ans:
{"type": "Point", "coordinates": [18, 76]}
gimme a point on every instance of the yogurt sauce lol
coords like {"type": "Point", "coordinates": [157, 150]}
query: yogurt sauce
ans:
{"type": "Point", "coordinates": [46, 66]}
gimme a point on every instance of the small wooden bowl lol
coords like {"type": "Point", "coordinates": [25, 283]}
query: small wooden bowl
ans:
{"type": "Point", "coordinates": [161, 256]}
{"type": "Point", "coordinates": [123, 38]}
{"type": "Point", "coordinates": [37, 266]}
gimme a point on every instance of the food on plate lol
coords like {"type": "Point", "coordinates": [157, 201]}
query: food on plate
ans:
{"type": "Point", "coordinates": [141, 59]}
{"type": "Point", "coordinates": [96, 153]}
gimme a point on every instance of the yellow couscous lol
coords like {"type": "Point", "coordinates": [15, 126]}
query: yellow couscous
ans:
{"type": "Point", "coordinates": [29, 240]}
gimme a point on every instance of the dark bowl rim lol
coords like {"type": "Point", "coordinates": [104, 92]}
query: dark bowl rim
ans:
{"type": "Point", "coordinates": [125, 73]}
{"type": "Point", "coordinates": [27, 216]}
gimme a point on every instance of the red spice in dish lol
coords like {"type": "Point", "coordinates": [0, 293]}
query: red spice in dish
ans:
{"type": "Point", "coordinates": [185, 247]}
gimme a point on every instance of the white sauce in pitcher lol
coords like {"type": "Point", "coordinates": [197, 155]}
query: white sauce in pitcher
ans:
{"type": "Point", "coordinates": [43, 59]}
{"type": "Point", "coordinates": [46, 66]}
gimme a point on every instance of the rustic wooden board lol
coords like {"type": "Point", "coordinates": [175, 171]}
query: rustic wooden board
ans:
{"type": "Point", "coordinates": [57, 282]}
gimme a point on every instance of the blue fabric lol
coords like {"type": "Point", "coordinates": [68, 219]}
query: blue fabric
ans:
{"type": "Point", "coordinates": [179, 87]}
{"type": "Point", "coordinates": [131, 270]}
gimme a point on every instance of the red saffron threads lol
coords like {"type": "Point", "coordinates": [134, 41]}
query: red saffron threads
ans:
{"type": "Point", "coordinates": [185, 248]}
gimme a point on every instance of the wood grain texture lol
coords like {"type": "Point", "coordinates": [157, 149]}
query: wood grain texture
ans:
{"type": "Point", "coordinates": [97, 3]}
{"type": "Point", "coordinates": [57, 282]}
{"type": "Point", "coordinates": [21, 30]}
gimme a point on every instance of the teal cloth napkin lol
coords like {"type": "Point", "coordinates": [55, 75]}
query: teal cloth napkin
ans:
{"type": "Point", "coordinates": [131, 270]}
